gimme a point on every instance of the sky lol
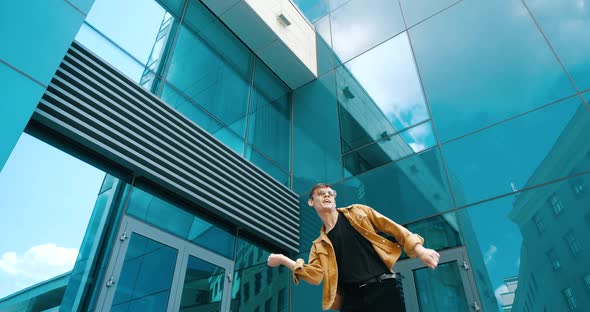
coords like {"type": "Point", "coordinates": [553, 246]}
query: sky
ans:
{"type": "Point", "coordinates": [50, 196]}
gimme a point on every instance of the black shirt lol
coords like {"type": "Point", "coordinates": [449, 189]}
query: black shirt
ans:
{"type": "Point", "coordinates": [356, 258]}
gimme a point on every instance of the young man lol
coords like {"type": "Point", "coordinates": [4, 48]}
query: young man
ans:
{"type": "Point", "coordinates": [354, 261]}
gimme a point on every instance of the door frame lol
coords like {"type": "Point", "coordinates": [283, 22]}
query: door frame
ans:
{"type": "Point", "coordinates": [406, 267]}
{"type": "Point", "coordinates": [184, 248]}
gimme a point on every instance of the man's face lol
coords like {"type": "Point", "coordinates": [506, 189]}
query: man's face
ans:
{"type": "Point", "coordinates": [323, 198]}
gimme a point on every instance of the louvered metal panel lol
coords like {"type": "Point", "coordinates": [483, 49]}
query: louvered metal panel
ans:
{"type": "Point", "coordinates": [91, 103]}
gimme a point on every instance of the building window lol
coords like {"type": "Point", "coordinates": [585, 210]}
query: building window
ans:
{"type": "Point", "coordinates": [553, 259]}
{"type": "Point", "coordinates": [539, 223]}
{"type": "Point", "coordinates": [246, 292]}
{"type": "Point", "coordinates": [587, 280]}
{"type": "Point", "coordinates": [268, 275]}
{"type": "Point", "coordinates": [281, 300]}
{"type": "Point", "coordinates": [257, 282]}
{"type": "Point", "coordinates": [267, 305]}
{"type": "Point", "coordinates": [569, 297]}
{"type": "Point", "coordinates": [556, 204]}
{"type": "Point", "coordinates": [572, 243]}
{"type": "Point", "coordinates": [578, 188]}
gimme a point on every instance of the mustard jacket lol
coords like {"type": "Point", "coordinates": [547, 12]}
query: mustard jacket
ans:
{"type": "Point", "coordinates": [322, 259]}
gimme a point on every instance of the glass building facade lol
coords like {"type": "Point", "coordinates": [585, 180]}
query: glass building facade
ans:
{"type": "Point", "coordinates": [466, 121]}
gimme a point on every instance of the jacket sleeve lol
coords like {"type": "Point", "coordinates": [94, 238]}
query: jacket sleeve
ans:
{"type": "Point", "coordinates": [402, 235]}
{"type": "Point", "coordinates": [312, 272]}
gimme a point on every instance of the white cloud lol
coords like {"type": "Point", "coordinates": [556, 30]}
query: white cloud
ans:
{"type": "Point", "coordinates": [489, 254]}
{"type": "Point", "coordinates": [39, 262]}
{"type": "Point", "coordinates": [417, 147]}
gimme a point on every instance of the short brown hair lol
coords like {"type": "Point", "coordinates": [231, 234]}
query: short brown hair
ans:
{"type": "Point", "coordinates": [318, 186]}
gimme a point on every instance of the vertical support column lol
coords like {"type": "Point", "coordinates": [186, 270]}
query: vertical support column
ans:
{"type": "Point", "coordinates": [35, 38]}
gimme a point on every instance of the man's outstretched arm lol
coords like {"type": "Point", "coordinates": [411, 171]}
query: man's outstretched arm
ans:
{"type": "Point", "coordinates": [312, 272]}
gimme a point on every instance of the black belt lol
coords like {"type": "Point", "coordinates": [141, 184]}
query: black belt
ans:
{"type": "Point", "coordinates": [376, 279]}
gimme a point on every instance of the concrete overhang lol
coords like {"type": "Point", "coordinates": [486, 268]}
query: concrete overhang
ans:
{"type": "Point", "coordinates": [277, 32]}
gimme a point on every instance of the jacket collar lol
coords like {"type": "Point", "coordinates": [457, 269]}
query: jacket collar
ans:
{"type": "Point", "coordinates": [323, 235]}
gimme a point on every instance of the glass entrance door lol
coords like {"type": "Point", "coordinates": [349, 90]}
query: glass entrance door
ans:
{"type": "Point", "coordinates": [449, 287]}
{"type": "Point", "coordinates": [151, 270]}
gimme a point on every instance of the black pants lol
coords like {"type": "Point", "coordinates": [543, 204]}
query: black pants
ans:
{"type": "Point", "coordinates": [381, 296]}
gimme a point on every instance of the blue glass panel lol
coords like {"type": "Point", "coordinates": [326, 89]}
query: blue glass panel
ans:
{"type": "Point", "coordinates": [89, 249]}
{"type": "Point", "coordinates": [207, 78]}
{"type": "Point", "coordinates": [357, 27]}
{"type": "Point", "coordinates": [316, 150]}
{"type": "Point", "coordinates": [439, 232]}
{"type": "Point", "coordinates": [567, 26]}
{"type": "Point", "coordinates": [19, 97]}
{"type": "Point", "coordinates": [268, 165]}
{"type": "Point", "coordinates": [203, 286]}
{"type": "Point", "coordinates": [82, 5]}
{"type": "Point", "coordinates": [325, 54]}
{"type": "Point", "coordinates": [513, 155]}
{"type": "Point", "coordinates": [441, 289]}
{"type": "Point", "coordinates": [270, 116]}
{"type": "Point", "coordinates": [404, 191]}
{"type": "Point", "coordinates": [416, 11]}
{"type": "Point", "coordinates": [215, 34]}
{"type": "Point", "coordinates": [231, 139]}
{"type": "Point", "coordinates": [36, 35]}
{"type": "Point", "coordinates": [306, 297]}
{"type": "Point", "coordinates": [121, 23]}
{"type": "Point", "coordinates": [262, 287]}
{"type": "Point", "coordinates": [188, 108]}
{"type": "Point", "coordinates": [249, 254]}
{"type": "Point", "coordinates": [313, 10]}
{"type": "Point", "coordinates": [388, 149]}
{"type": "Point", "coordinates": [379, 93]}
{"type": "Point", "coordinates": [179, 222]}
{"type": "Point", "coordinates": [146, 277]}
{"type": "Point", "coordinates": [535, 238]}
{"type": "Point", "coordinates": [475, 75]}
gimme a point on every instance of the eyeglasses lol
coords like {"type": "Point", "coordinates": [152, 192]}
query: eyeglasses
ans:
{"type": "Point", "coordinates": [330, 193]}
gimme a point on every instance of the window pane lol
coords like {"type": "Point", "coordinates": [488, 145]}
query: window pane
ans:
{"type": "Point", "coordinates": [203, 286]}
{"type": "Point", "coordinates": [270, 112]}
{"type": "Point", "coordinates": [269, 166]}
{"type": "Point", "coordinates": [253, 289]}
{"type": "Point", "coordinates": [388, 149]}
{"type": "Point", "coordinates": [379, 93]}
{"type": "Point", "coordinates": [404, 191]}
{"type": "Point", "coordinates": [179, 222]}
{"type": "Point", "coordinates": [474, 76]}
{"type": "Point", "coordinates": [357, 27]}
{"type": "Point", "coordinates": [190, 109]}
{"type": "Point", "coordinates": [416, 11]}
{"type": "Point", "coordinates": [519, 153]}
{"type": "Point", "coordinates": [146, 277]}
{"type": "Point", "coordinates": [316, 150]}
{"type": "Point", "coordinates": [439, 232]}
{"type": "Point", "coordinates": [208, 79]}
{"type": "Point", "coordinates": [567, 25]}
{"type": "Point", "coordinates": [325, 54]}
{"type": "Point", "coordinates": [313, 9]}
{"type": "Point", "coordinates": [504, 242]}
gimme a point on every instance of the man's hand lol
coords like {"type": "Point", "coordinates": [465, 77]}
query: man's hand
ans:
{"type": "Point", "coordinates": [274, 260]}
{"type": "Point", "coordinates": [428, 256]}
